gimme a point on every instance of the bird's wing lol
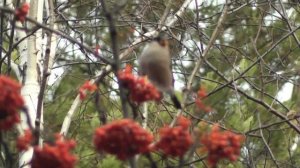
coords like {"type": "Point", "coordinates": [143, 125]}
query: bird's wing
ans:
{"type": "Point", "coordinates": [160, 75]}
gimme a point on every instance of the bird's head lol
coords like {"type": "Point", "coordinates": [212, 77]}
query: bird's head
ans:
{"type": "Point", "coordinates": [162, 40]}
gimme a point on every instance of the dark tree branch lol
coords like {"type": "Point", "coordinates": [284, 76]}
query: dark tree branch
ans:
{"type": "Point", "coordinates": [115, 51]}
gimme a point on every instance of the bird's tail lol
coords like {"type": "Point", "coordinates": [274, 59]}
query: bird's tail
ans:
{"type": "Point", "coordinates": [175, 101]}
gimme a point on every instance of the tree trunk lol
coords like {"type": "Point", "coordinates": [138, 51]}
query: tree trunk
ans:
{"type": "Point", "coordinates": [31, 88]}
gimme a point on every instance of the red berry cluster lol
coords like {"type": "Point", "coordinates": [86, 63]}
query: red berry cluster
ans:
{"type": "Point", "coordinates": [175, 141]}
{"type": "Point", "coordinates": [221, 145]}
{"type": "Point", "coordinates": [21, 12]}
{"type": "Point", "coordinates": [123, 138]}
{"type": "Point", "coordinates": [54, 155]}
{"type": "Point", "coordinates": [87, 86]}
{"type": "Point", "coordinates": [141, 89]}
{"type": "Point", "coordinates": [10, 102]}
{"type": "Point", "coordinates": [199, 101]}
{"type": "Point", "coordinates": [24, 141]}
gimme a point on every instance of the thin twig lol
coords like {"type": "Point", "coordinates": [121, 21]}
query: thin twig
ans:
{"type": "Point", "coordinates": [42, 92]}
{"type": "Point", "coordinates": [264, 140]}
{"type": "Point", "coordinates": [271, 125]}
{"type": "Point", "coordinates": [286, 19]}
{"type": "Point", "coordinates": [8, 154]}
{"type": "Point", "coordinates": [1, 34]}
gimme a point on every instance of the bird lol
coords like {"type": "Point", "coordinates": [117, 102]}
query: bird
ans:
{"type": "Point", "coordinates": [155, 63]}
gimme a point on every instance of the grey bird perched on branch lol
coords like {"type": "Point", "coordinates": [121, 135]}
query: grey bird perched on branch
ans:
{"type": "Point", "coordinates": [155, 63]}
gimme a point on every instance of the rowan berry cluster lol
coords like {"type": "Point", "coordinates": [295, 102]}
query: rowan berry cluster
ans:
{"type": "Point", "coordinates": [201, 94]}
{"type": "Point", "coordinates": [11, 102]}
{"type": "Point", "coordinates": [175, 141]}
{"type": "Point", "coordinates": [54, 155]}
{"type": "Point", "coordinates": [87, 86]}
{"type": "Point", "coordinates": [123, 138]}
{"type": "Point", "coordinates": [21, 12]}
{"type": "Point", "coordinates": [140, 88]}
{"type": "Point", "coordinates": [24, 141]}
{"type": "Point", "coordinates": [221, 145]}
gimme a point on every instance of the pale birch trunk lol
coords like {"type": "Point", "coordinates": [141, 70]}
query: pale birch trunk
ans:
{"type": "Point", "coordinates": [31, 86]}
